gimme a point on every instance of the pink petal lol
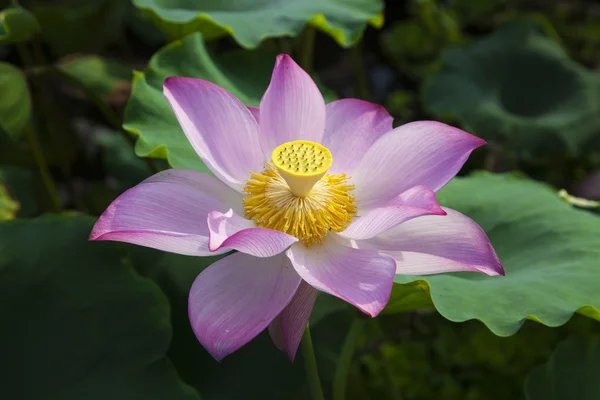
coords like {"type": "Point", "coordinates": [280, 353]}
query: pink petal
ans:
{"type": "Point", "coordinates": [287, 329]}
{"type": "Point", "coordinates": [362, 277]}
{"type": "Point", "coordinates": [218, 126]}
{"type": "Point", "coordinates": [292, 108]}
{"type": "Point", "coordinates": [419, 153]}
{"type": "Point", "coordinates": [448, 243]}
{"type": "Point", "coordinates": [237, 297]}
{"type": "Point", "coordinates": [255, 113]}
{"type": "Point", "coordinates": [415, 202]}
{"type": "Point", "coordinates": [410, 263]}
{"type": "Point", "coordinates": [230, 231]}
{"type": "Point", "coordinates": [352, 127]}
{"type": "Point", "coordinates": [167, 212]}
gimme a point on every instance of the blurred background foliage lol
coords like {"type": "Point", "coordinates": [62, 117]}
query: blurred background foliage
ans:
{"type": "Point", "coordinates": [82, 119]}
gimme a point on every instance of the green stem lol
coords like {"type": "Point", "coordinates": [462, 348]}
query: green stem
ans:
{"type": "Point", "coordinates": [342, 370]}
{"type": "Point", "coordinates": [307, 47]}
{"type": "Point", "coordinates": [360, 75]}
{"type": "Point", "coordinates": [40, 161]}
{"type": "Point", "coordinates": [310, 364]}
{"type": "Point", "coordinates": [111, 116]}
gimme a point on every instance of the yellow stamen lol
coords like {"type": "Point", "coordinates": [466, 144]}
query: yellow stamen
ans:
{"type": "Point", "coordinates": [301, 163]}
{"type": "Point", "coordinates": [325, 202]}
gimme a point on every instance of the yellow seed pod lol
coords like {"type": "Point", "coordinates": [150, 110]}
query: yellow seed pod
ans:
{"type": "Point", "coordinates": [302, 164]}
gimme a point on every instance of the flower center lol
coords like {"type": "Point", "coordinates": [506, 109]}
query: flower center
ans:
{"type": "Point", "coordinates": [296, 196]}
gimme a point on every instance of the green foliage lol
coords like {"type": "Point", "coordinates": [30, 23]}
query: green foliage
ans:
{"type": "Point", "coordinates": [518, 86]}
{"type": "Point", "coordinates": [250, 22]}
{"type": "Point", "coordinates": [17, 25]}
{"type": "Point", "coordinates": [104, 320]}
{"type": "Point", "coordinates": [427, 357]}
{"type": "Point", "coordinates": [21, 185]}
{"type": "Point", "coordinates": [81, 25]}
{"type": "Point", "coordinates": [571, 372]}
{"type": "Point", "coordinates": [549, 251]}
{"type": "Point", "coordinates": [245, 74]}
{"type": "Point", "coordinates": [94, 328]}
{"type": "Point", "coordinates": [15, 110]}
{"type": "Point", "coordinates": [107, 79]}
{"type": "Point", "coordinates": [8, 206]}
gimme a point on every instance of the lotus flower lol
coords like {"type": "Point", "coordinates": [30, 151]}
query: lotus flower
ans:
{"type": "Point", "coordinates": [313, 197]}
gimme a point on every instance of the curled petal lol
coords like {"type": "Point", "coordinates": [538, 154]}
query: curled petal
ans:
{"type": "Point", "coordinates": [415, 202]}
{"type": "Point", "coordinates": [167, 212]}
{"type": "Point", "coordinates": [419, 153]}
{"type": "Point", "coordinates": [218, 126]}
{"type": "Point", "coordinates": [237, 297]}
{"type": "Point", "coordinates": [230, 231]}
{"type": "Point", "coordinates": [435, 244]}
{"type": "Point", "coordinates": [362, 277]}
{"type": "Point", "coordinates": [287, 329]}
{"type": "Point", "coordinates": [352, 127]}
{"type": "Point", "coordinates": [292, 108]}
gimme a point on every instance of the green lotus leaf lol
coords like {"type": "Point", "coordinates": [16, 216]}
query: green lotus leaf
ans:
{"type": "Point", "coordinates": [518, 85]}
{"type": "Point", "coordinates": [245, 74]}
{"type": "Point", "coordinates": [78, 321]}
{"type": "Point", "coordinates": [15, 103]}
{"type": "Point", "coordinates": [571, 373]}
{"type": "Point", "coordinates": [549, 251]}
{"type": "Point", "coordinates": [251, 21]}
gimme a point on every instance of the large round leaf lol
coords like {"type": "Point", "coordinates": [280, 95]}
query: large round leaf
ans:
{"type": "Point", "coordinates": [15, 102]}
{"type": "Point", "coordinates": [251, 21]}
{"type": "Point", "coordinates": [549, 250]}
{"type": "Point", "coordinates": [571, 373]}
{"type": "Point", "coordinates": [148, 114]}
{"type": "Point", "coordinates": [519, 85]}
{"type": "Point", "coordinates": [77, 320]}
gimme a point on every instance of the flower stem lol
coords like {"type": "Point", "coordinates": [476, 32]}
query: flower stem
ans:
{"type": "Point", "coordinates": [307, 47]}
{"type": "Point", "coordinates": [40, 161]}
{"type": "Point", "coordinates": [340, 378]}
{"type": "Point", "coordinates": [310, 364]}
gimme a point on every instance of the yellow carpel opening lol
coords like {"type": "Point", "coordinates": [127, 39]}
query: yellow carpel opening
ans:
{"type": "Point", "coordinates": [302, 164]}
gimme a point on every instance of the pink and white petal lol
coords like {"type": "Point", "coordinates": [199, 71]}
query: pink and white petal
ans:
{"type": "Point", "coordinates": [218, 126]}
{"type": "Point", "coordinates": [167, 212]}
{"type": "Point", "coordinates": [292, 108]}
{"type": "Point", "coordinates": [237, 297]}
{"type": "Point", "coordinates": [352, 127]}
{"type": "Point", "coordinates": [230, 231]}
{"type": "Point", "coordinates": [362, 277]}
{"type": "Point", "coordinates": [415, 202]}
{"type": "Point", "coordinates": [454, 237]}
{"type": "Point", "coordinates": [410, 263]}
{"type": "Point", "coordinates": [418, 153]}
{"type": "Point", "coordinates": [287, 331]}
{"type": "Point", "coordinates": [255, 113]}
